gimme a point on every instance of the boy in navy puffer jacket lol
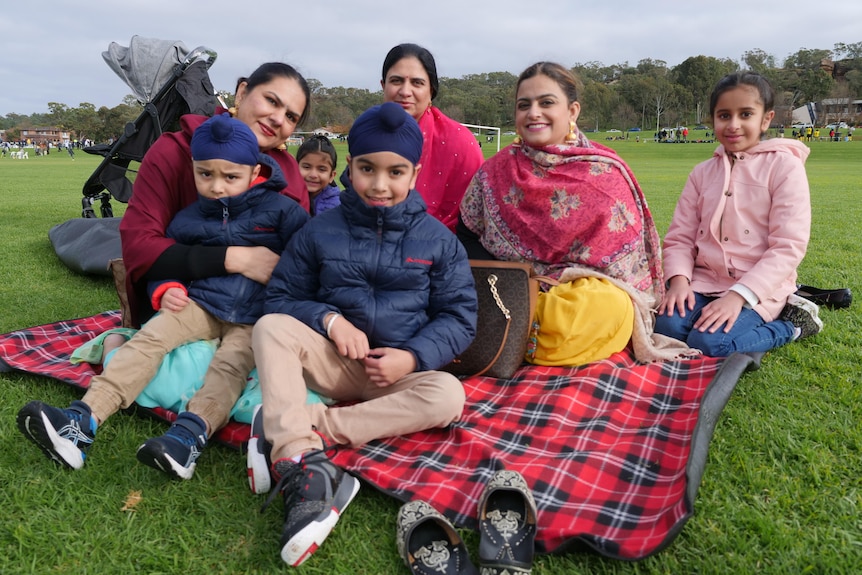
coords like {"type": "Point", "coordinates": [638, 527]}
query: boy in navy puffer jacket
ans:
{"type": "Point", "coordinates": [369, 300]}
{"type": "Point", "coordinates": [237, 208]}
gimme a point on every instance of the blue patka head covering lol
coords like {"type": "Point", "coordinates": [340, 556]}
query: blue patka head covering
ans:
{"type": "Point", "coordinates": [225, 138]}
{"type": "Point", "coordinates": [386, 128]}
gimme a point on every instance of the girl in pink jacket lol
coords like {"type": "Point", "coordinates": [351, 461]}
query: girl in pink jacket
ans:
{"type": "Point", "coordinates": [739, 231]}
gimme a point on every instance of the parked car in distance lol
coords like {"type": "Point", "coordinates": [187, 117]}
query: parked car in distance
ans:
{"type": "Point", "coordinates": [801, 125]}
{"type": "Point", "coordinates": [837, 126]}
{"type": "Point", "coordinates": [635, 129]}
{"type": "Point", "coordinates": [609, 131]}
{"type": "Point", "coordinates": [701, 127]}
{"type": "Point", "coordinates": [508, 133]}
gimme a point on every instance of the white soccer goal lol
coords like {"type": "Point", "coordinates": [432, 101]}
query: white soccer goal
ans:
{"type": "Point", "coordinates": [488, 129]}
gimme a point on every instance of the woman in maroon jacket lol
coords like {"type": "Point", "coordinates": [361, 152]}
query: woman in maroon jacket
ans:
{"type": "Point", "coordinates": [273, 101]}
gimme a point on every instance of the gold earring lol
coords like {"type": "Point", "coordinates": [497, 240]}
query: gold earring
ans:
{"type": "Point", "coordinates": [517, 141]}
{"type": "Point", "coordinates": [572, 136]}
{"type": "Point", "coordinates": [232, 111]}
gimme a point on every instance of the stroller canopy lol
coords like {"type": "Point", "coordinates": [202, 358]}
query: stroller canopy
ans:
{"type": "Point", "coordinates": [169, 80]}
{"type": "Point", "coordinates": [147, 64]}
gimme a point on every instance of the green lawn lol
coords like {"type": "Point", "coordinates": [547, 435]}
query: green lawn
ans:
{"type": "Point", "coordinates": [781, 494]}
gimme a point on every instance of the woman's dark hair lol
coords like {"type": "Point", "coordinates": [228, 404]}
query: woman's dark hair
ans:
{"type": "Point", "coordinates": [318, 143]}
{"type": "Point", "coordinates": [271, 70]}
{"type": "Point", "coordinates": [563, 77]}
{"type": "Point", "coordinates": [743, 78]}
{"type": "Point", "coordinates": [425, 58]}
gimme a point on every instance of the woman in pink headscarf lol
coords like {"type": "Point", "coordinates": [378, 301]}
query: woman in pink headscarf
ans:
{"type": "Point", "coordinates": [573, 210]}
{"type": "Point", "coordinates": [450, 153]}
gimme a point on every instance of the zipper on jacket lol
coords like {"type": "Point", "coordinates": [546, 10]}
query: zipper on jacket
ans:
{"type": "Point", "coordinates": [373, 314]}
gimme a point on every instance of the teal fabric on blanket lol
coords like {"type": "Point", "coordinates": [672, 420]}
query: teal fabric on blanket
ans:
{"type": "Point", "coordinates": [180, 375]}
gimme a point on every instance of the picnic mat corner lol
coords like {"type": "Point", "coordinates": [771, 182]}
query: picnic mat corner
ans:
{"type": "Point", "coordinates": [614, 451]}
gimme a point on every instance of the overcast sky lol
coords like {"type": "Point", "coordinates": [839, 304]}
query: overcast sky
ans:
{"type": "Point", "coordinates": [52, 50]}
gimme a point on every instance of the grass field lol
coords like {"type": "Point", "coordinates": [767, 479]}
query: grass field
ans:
{"type": "Point", "coordinates": [781, 494]}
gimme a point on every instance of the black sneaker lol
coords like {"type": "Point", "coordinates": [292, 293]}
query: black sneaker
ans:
{"type": "Point", "coordinates": [803, 314]}
{"type": "Point", "coordinates": [316, 492]}
{"type": "Point", "coordinates": [258, 450]}
{"type": "Point", "coordinates": [64, 435]}
{"type": "Point", "coordinates": [176, 451]}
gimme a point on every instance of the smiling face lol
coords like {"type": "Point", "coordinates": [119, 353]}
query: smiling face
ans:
{"type": "Point", "coordinates": [543, 114]}
{"type": "Point", "coordinates": [382, 179]}
{"type": "Point", "coordinates": [272, 110]}
{"type": "Point", "coordinates": [740, 118]}
{"type": "Point", "coordinates": [407, 84]}
{"type": "Point", "coordinates": [216, 179]}
{"type": "Point", "coordinates": [317, 170]}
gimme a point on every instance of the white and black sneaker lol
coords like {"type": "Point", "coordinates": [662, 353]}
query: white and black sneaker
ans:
{"type": "Point", "coordinates": [803, 314]}
{"type": "Point", "coordinates": [258, 452]}
{"type": "Point", "coordinates": [64, 435]}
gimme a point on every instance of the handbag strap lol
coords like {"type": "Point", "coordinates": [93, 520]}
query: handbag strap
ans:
{"type": "Point", "coordinates": [492, 286]}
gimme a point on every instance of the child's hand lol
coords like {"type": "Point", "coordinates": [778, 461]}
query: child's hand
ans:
{"type": "Point", "coordinates": [254, 262]}
{"type": "Point", "coordinates": [679, 296]}
{"type": "Point", "coordinates": [386, 365]}
{"type": "Point", "coordinates": [174, 299]}
{"type": "Point", "coordinates": [723, 310]}
{"type": "Point", "coordinates": [351, 342]}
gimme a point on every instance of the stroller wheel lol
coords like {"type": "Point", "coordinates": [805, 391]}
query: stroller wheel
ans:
{"type": "Point", "coordinates": [106, 210]}
{"type": "Point", "coordinates": [87, 208]}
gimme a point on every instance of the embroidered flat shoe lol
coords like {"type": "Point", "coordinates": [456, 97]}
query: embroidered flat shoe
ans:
{"type": "Point", "coordinates": [429, 544]}
{"type": "Point", "coordinates": [507, 525]}
{"type": "Point", "coordinates": [832, 298]}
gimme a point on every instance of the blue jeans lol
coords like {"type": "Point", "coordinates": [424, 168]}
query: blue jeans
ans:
{"type": "Point", "coordinates": [749, 332]}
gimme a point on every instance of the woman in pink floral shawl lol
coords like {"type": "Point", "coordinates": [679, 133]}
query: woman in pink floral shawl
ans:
{"type": "Point", "coordinates": [574, 210]}
{"type": "Point", "coordinates": [450, 153]}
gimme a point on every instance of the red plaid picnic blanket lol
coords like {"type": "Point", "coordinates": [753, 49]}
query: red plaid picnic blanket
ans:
{"type": "Point", "coordinates": [614, 451]}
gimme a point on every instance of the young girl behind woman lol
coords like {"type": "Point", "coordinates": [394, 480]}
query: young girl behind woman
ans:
{"type": "Point", "coordinates": [317, 160]}
{"type": "Point", "coordinates": [739, 231]}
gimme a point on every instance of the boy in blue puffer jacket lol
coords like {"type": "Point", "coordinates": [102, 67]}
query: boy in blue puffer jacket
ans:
{"type": "Point", "coordinates": [369, 300]}
{"type": "Point", "coordinates": [236, 208]}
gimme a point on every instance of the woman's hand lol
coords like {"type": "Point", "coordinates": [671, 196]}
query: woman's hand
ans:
{"type": "Point", "coordinates": [679, 296]}
{"type": "Point", "coordinates": [174, 299]}
{"type": "Point", "coordinates": [723, 310]}
{"type": "Point", "coordinates": [351, 342]}
{"type": "Point", "coordinates": [256, 263]}
{"type": "Point", "coordinates": [386, 365]}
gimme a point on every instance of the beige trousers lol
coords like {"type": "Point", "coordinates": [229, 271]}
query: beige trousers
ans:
{"type": "Point", "coordinates": [136, 362]}
{"type": "Point", "coordinates": [290, 355]}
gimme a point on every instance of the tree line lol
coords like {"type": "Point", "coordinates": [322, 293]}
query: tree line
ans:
{"type": "Point", "coordinates": [647, 95]}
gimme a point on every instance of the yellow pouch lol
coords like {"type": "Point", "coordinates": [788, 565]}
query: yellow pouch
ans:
{"type": "Point", "coordinates": [579, 322]}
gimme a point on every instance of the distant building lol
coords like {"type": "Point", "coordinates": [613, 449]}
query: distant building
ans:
{"type": "Point", "coordinates": [44, 135]}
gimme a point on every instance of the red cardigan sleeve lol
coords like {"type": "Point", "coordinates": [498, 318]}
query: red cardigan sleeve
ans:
{"type": "Point", "coordinates": [163, 186]}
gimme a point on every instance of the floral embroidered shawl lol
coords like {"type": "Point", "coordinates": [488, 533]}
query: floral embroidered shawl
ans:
{"type": "Point", "coordinates": [450, 157]}
{"type": "Point", "coordinates": [566, 206]}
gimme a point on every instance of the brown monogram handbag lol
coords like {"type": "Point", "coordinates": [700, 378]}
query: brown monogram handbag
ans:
{"type": "Point", "coordinates": [507, 294]}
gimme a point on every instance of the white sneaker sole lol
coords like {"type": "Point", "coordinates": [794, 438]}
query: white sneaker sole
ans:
{"type": "Point", "coordinates": [164, 462]}
{"type": "Point", "coordinates": [259, 477]}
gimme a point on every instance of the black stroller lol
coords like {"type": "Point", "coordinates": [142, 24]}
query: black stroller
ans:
{"type": "Point", "coordinates": [170, 81]}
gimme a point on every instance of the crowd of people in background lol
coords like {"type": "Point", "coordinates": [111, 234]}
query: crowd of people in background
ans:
{"type": "Point", "coordinates": [44, 147]}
